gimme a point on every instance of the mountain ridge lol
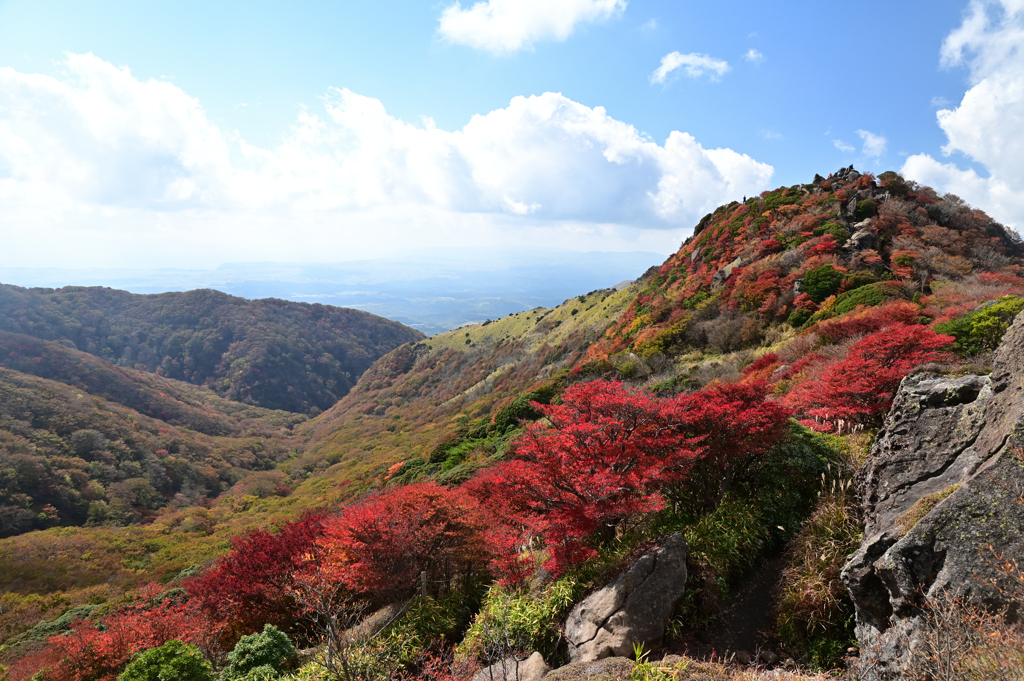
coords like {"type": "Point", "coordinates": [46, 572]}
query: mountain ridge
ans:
{"type": "Point", "coordinates": [270, 352]}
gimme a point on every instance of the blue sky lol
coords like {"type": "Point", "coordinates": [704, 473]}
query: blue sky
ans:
{"type": "Point", "coordinates": [187, 134]}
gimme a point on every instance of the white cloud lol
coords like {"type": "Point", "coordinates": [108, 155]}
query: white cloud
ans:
{"type": "Point", "coordinates": [504, 26]}
{"type": "Point", "coordinates": [695, 66]}
{"type": "Point", "coordinates": [650, 25]}
{"type": "Point", "coordinates": [753, 56]}
{"type": "Point", "coordinates": [843, 146]}
{"type": "Point", "coordinates": [988, 125]}
{"type": "Point", "coordinates": [99, 164]}
{"type": "Point", "coordinates": [874, 145]}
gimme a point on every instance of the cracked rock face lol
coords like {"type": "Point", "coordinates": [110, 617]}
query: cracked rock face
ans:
{"type": "Point", "coordinates": [635, 608]}
{"type": "Point", "coordinates": [942, 485]}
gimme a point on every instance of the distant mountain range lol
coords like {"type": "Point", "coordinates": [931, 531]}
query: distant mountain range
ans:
{"type": "Point", "coordinates": [431, 292]}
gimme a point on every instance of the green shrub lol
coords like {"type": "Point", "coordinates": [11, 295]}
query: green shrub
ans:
{"type": "Point", "coordinates": [775, 199]}
{"type": "Point", "coordinates": [865, 209]}
{"type": "Point", "coordinates": [894, 183]}
{"type": "Point", "coordinates": [519, 621]}
{"type": "Point", "coordinates": [984, 328]}
{"type": "Point", "coordinates": [520, 410]}
{"type": "Point", "coordinates": [425, 625]}
{"type": "Point", "coordinates": [822, 282]}
{"type": "Point", "coordinates": [668, 341]}
{"type": "Point", "coordinates": [797, 318]}
{"type": "Point", "coordinates": [270, 647]}
{"type": "Point", "coordinates": [762, 511]}
{"type": "Point", "coordinates": [868, 295]}
{"type": "Point", "coordinates": [262, 673]}
{"type": "Point", "coordinates": [173, 661]}
{"type": "Point", "coordinates": [838, 232]}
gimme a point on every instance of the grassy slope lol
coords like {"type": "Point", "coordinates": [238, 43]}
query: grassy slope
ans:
{"type": "Point", "coordinates": [421, 393]}
{"type": "Point", "coordinates": [439, 383]}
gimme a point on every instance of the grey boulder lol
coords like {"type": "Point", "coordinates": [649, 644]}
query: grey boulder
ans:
{"type": "Point", "coordinates": [634, 609]}
{"type": "Point", "coordinates": [533, 668]}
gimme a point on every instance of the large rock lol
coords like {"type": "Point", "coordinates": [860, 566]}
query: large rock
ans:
{"type": "Point", "coordinates": [943, 484]}
{"type": "Point", "coordinates": [533, 668]}
{"type": "Point", "coordinates": [635, 608]}
{"type": "Point", "coordinates": [608, 669]}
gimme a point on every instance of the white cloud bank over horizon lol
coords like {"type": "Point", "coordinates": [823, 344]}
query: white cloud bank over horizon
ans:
{"type": "Point", "coordinates": [988, 125]}
{"type": "Point", "coordinates": [507, 26]}
{"type": "Point", "coordinates": [98, 166]}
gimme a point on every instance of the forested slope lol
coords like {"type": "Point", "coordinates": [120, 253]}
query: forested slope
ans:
{"type": "Point", "coordinates": [272, 353]}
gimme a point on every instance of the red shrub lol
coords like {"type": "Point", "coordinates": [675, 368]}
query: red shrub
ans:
{"type": "Point", "coordinates": [869, 320]}
{"type": "Point", "coordinates": [826, 246]}
{"type": "Point", "coordinates": [767, 361]}
{"type": "Point", "coordinates": [248, 586]}
{"type": "Point", "coordinates": [737, 425]}
{"type": "Point", "coordinates": [608, 455]}
{"type": "Point", "coordinates": [87, 653]}
{"type": "Point", "coordinates": [860, 387]}
{"type": "Point", "coordinates": [379, 546]}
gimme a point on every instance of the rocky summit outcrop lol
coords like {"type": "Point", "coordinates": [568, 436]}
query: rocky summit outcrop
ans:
{"type": "Point", "coordinates": [635, 608]}
{"type": "Point", "coordinates": [941, 495]}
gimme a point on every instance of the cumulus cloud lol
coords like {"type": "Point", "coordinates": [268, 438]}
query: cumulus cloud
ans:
{"type": "Point", "coordinates": [753, 56]}
{"type": "Point", "coordinates": [874, 145]}
{"type": "Point", "coordinates": [694, 65]}
{"type": "Point", "coordinates": [505, 26]}
{"type": "Point", "coordinates": [988, 125]}
{"type": "Point", "coordinates": [98, 159]}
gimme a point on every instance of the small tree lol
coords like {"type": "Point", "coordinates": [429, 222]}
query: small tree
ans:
{"type": "Point", "coordinates": [609, 453]}
{"type": "Point", "coordinates": [333, 615]}
{"type": "Point", "coordinates": [173, 661]}
{"type": "Point", "coordinates": [597, 461]}
{"type": "Point", "coordinates": [378, 548]}
{"type": "Point", "coordinates": [249, 586]}
{"type": "Point", "coordinates": [269, 648]}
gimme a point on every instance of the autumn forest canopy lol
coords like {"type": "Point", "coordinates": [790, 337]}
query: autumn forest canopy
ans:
{"type": "Point", "coordinates": [209, 484]}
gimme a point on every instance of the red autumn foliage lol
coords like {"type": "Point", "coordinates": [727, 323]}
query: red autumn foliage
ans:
{"type": "Point", "coordinates": [249, 586]}
{"type": "Point", "coordinates": [860, 387]}
{"type": "Point", "coordinates": [769, 246]}
{"type": "Point", "coordinates": [826, 246]}
{"type": "Point", "coordinates": [609, 453]}
{"type": "Point", "coordinates": [869, 320]}
{"type": "Point", "coordinates": [804, 302]}
{"type": "Point", "coordinates": [87, 653]}
{"type": "Point", "coordinates": [379, 547]}
{"type": "Point", "coordinates": [738, 424]}
{"type": "Point", "coordinates": [765, 361]}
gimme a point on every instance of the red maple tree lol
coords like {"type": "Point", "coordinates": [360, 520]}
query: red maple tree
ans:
{"type": "Point", "coordinates": [248, 587]}
{"type": "Point", "coordinates": [380, 546]}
